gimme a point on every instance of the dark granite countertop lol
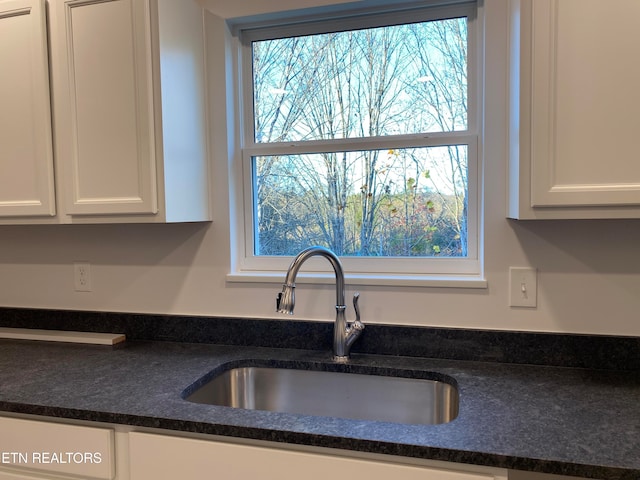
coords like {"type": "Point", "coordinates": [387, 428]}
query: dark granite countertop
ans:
{"type": "Point", "coordinates": [571, 421]}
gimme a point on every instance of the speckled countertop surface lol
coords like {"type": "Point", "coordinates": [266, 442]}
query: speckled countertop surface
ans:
{"type": "Point", "coordinates": [560, 420]}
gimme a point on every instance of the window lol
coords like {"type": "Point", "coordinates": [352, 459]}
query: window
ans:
{"type": "Point", "coordinates": [361, 135]}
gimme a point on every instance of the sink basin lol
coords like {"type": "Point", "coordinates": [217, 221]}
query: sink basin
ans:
{"type": "Point", "coordinates": [335, 394]}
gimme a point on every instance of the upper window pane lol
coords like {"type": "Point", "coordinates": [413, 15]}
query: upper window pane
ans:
{"type": "Point", "coordinates": [394, 80]}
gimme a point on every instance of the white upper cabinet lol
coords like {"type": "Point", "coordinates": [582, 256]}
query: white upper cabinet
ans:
{"type": "Point", "coordinates": [129, 110]}
{"type": "Point", "coordinates": [129, 120]}
{"type": "Point", "coordinates": [26, 155]}
{"type": "Point", "coordinates": [575, 100]}
{"type": "Point", "coordinates": [104, 115]}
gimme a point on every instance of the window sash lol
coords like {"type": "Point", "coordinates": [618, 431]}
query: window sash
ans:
{"type": "Point", "coordinates": [369, 265]}
{"type": "Point", "coordinates": [387, 15]}
{"type": "Point", "coordinates": [467, 10]}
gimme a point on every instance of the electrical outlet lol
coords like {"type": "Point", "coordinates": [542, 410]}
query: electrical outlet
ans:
{"type": "Point", "coordinates": [523, 287]}
{"type": "Point", "coordinates": [82, 276]}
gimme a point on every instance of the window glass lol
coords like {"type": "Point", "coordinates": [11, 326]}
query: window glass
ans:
{"type": "Point", "coordinates": [398, 202]}
{"type": "Point", "coordinates": [395, 80]}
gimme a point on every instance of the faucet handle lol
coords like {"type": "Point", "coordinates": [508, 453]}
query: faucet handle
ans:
{"type": "Point", "coordinates": [357, 324]}
{"type": "Point", "coordinates": [355, 328]}
{"type": "Point", "coordinates": [356, 297]}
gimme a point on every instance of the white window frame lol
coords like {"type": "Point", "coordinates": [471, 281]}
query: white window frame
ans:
{"type": "Point", "coordinates": [464, 272]}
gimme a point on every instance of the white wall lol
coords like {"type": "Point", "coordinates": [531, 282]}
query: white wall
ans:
{"type": "Point", "coordinates": [589, 271]}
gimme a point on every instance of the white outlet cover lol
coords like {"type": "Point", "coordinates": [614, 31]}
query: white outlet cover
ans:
{"type": "Point", "coordinates": [82, 277]}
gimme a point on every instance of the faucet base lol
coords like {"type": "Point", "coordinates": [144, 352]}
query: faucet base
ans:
{"type": "Point", "coordinates": [341, 358]}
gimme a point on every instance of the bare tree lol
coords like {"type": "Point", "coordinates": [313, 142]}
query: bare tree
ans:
{"type": "Point", "coordinates": [442, 51]}
{"type": "Point", "coordinates": [363, 84]}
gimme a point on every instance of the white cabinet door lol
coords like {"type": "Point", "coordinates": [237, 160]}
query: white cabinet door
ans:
{"type": "Point", "coordinates": [26, 156]}
{"type": "Point", "coordinates": [575, 81]}
{"type": "Point", "coordinates": [167, 458]}
{"type": "Point", "coordinates": [57, 449]}
{"type": "Point", "coordinates": [129, 110]}
{"type": "Point", "coordinates": [103, 100]}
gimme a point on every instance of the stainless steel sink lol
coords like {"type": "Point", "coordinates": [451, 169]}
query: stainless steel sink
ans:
{"type": "Point", "coordinates": [335, 394]}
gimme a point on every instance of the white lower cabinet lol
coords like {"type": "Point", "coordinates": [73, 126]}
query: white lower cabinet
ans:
{"type": "Point", "coordinates": [38, 449]}
{"type": "Point", "coordinates": [160, 457]}
{"type": "Point", "coordinates": [31, 449]}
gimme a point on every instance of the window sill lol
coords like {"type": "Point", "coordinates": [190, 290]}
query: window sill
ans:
{"type": "Point", "coordinates": [467, 281]}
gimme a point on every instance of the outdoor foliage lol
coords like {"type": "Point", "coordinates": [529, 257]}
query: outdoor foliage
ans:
{"type": "Point", "coordinates": [371, 83]}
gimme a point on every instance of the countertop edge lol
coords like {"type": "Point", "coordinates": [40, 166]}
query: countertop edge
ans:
{"type": "Point", "coordinates": [325, 441]}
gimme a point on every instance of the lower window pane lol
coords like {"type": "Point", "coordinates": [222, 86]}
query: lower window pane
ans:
{"type": "Point", "coordinates": [407, 202]}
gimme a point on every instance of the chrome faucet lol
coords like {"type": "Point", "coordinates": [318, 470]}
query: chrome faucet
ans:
{"type": "Point", "coordinates": [343, 334]}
